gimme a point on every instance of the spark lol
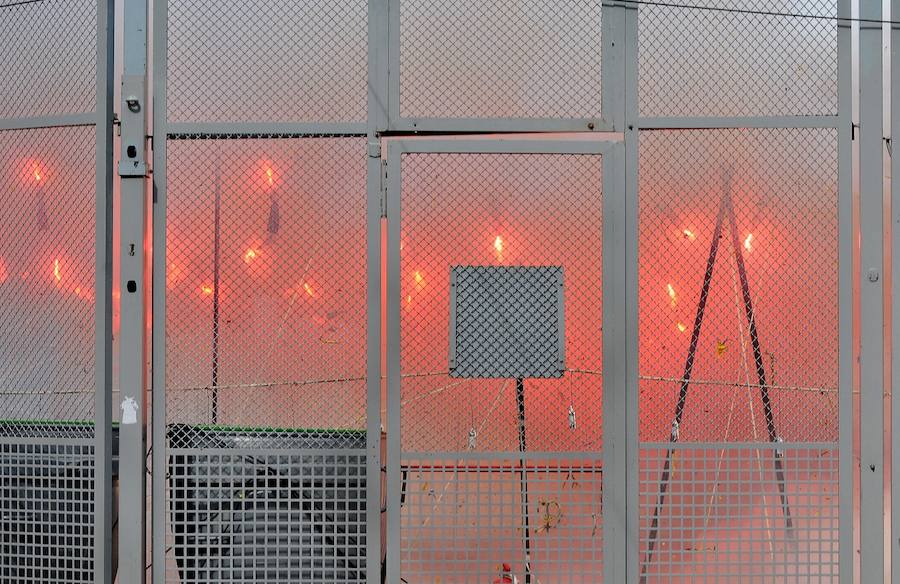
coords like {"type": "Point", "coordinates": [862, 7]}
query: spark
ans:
{"type": "Point", "coordinates": [681, 326]}
{"type": "Point", "coordinates": [408, 299]}
{"type": "Point", "coordinates": [37, 175]}
{"type": "Point", "coordinates": [748, 242]}
{"type": "Point", "coordinates": [56, 273]}
{"type": "Point", "coordinates": [206, 289]}
{"type": "Point", "coordinates": [419, 278]}
{"type": "Point", "coordinates": [250, 255]}
{"type": "Point", "coordinates": [498, 244]}
{"type": "Point", "coordinates": [689, 235]}
{"type": "Point", "coordinates": [673, 299]}
{"type": "Point", "coordinates": [309, 290]}
{"type": "Point", "coordinates": [270, 177]}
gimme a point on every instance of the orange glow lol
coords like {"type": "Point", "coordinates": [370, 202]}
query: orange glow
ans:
{"type": "Point", "coordinates": [689, 235]}
{"type": "Point", "coordinates": [309, 289]}
{"type": "Point", "coordinates": [269, 176]}
{"type": "Point", "coordinates": [681, 327]}
{"type": "Point", "coordinates": [56, 273]}
{"type": "Point", "coordinates": [498, 244]}
{"type": "Point", "coordinates": [748, 242]}
{"type": "Point", "coordinates": [174, 274]}
{"type": "Point", "coordinates": [419, 278]}
{"type": "Point", "coordinates": [250, 255]}
{"type": "Point", "coordinates": [673, 298]}
{"type": "Point", "coordinates": [206, 289]}
{"type": "Point", "coordinates": [37, 174]}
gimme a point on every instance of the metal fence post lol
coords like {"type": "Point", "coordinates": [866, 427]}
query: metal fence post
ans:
{"type": "Point", "coordinates": [895, 295]}
{"type": "Point", "coordinates": [103, 491]}
{"type": "Point", "coordinates": [132, 337]}
{"type": "Point", "coordinates": [871, 217]}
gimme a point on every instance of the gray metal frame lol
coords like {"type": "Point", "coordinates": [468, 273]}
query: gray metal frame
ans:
{"type": "Point", "coordinates": [102, 119]}
{"type": "Point", "coordinates": [842, 123]}
{"type": "Point", "coordinates": [609, 147]}
{"type": "Point", "coordinates": [103, 485]}
{"type": "Point", "coordinates": [162, 131]}
{"type": "Point", "coordinates": [609, 120]}
{"type": "Point", "coordinates": [133, 304]}
{"type": "Point", "coordinates": [895, 292]}
{"type": "Point", "coordinates": [871, 294]}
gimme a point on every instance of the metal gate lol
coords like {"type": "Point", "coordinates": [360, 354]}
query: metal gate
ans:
{"type": "Point", "coordinates": [619, 348]}
{"type": "Point", "coordinates": [740, 451]}
{"type": "Point", "coordinates": [262, 296]}
{"type": "Point", "coordinates": [55, 289]}
{"type": "Point", "coordinates": [496, 460]}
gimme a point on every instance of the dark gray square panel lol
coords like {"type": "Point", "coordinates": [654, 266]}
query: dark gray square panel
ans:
{"type": "Point", "coordinates": [506, 322]}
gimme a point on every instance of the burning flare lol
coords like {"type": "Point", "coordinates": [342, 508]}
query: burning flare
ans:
{"type": "Point", "coordinates": [419, 278]}
{"type": "Point", "coordinates": [206, 289]}
{"type": "Point", "coordinates": [689, 235]}
{"type": "Point", "coordinates": [309, 290]}
{"type": "Point", "coordinates": [269, 177]}
{"type": "Point", "coordinates": [250, 255]}
{"type": "Point", "coordinates": [748, 242]}
{"type": "Point", "coordinates": [56, 273]}
{"type": "Point", "coordinates": [673, 298]}
{"type": "Point", "coordinates": [37, 175]}
{"type": "Point", "coordinates": [681, 326]}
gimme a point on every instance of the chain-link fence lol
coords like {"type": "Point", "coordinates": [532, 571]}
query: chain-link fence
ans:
{"type": "Point", "coordinates": [274, 202]}
{"type": "Point", "coordinates": [54, 291]}
{"type": "Point", "coordinates": [739, 277]}
{"type": "Point", "coordinates": [501, 448]}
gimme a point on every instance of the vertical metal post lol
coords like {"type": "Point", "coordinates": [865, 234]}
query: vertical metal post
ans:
{"type": "Point", "coordinates": [376, 517]}
{"type": "Point", "coordinates": [103, 293]}
{"type": "Point", "coordinates": [846, 299]}
{"type": "Point", "coordinates": [871, 217]}
{"type": "Point", "coordinates": [632, 403]}
{"type": "Point", "coordinates": [614, 358]}
{"type": "Point", "coordinates": [393, 363]}
{"type": "Point", "coordinates": [523, 475]}
{"type": "Point", "coordinates": [895, 296]}
{"type": "Point", "coordinates": [132, 335]}
{"type": "Point", "coordinates": [158, 366]}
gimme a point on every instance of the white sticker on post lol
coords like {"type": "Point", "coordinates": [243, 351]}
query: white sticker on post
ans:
{"type": "Point", "coordinates": [129, 411]}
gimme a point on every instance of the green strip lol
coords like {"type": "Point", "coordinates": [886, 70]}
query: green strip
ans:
{"type": "Point", "coordinates": [263, 429]}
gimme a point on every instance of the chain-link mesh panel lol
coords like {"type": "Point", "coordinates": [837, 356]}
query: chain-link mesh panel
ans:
{"type": "Point", "coordinates": [723, 519]}
{"type": "Point", "coordinates": [738, 286]}
{"type": "Point", "coordinates": [246, 516]}
{"type": "Point", "coordinates": [702, 62]}
{"type": "Point", "coordinates": [266, 285]}
{"type": "Point", "coordinates": [499, 210]}
{"type": "Point", "coordinates": [509, 59]}
{"type": "Point", "coordinates": [475, 506]}
{"type": "Point", "coordinates": [48, 64]}
{"type": "Point", "coordinates": [47, 272]}
{"type": "Point", "coordinates": [47, 508]}
{"type": "Point", "coordinates": [267, 61]}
